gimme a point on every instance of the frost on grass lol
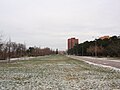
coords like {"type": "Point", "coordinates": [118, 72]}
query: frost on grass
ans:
{"type": "Point", "coordinates": [56, 73]}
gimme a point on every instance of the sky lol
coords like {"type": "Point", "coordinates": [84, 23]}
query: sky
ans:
{"type": "Point", "coordinates": [49, 23]}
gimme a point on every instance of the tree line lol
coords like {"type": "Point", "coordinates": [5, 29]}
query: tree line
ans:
{"type": "Point", "coordinates": [15, 50]}
{"type": "Point", "coordinates": [37, 51]}
{"type": "Point", "coordinates": [99, 47]}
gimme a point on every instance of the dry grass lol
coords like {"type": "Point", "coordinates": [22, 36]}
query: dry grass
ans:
{"type": "Point", "coordinates": [56, 73]}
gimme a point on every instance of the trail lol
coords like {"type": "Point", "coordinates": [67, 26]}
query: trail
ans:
{"type": "Point", "coordinates": [114, 64]}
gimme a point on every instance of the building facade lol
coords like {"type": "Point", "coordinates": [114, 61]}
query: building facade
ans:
{"type": "Point", "coordinates": [72, 42]}
{"type": "Point", "coordinates": [104, 37]}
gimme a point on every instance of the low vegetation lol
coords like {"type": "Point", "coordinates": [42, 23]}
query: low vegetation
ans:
{"type": "Point", "coordinates": [56, 72]}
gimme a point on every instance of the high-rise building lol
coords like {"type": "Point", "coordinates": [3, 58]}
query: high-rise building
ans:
{"type": "Point", "coordinates": [72, 42]}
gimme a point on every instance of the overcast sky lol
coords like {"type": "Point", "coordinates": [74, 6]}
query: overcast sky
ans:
{"type": "Point", "coordinates": [51, 22]}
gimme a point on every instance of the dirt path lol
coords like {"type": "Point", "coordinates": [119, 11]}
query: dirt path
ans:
{"type": "Point", "coordinates": [16, 59]}
{"type": "Point", "coordinates": [109, 63]}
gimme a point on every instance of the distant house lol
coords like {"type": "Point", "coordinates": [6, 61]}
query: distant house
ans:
{"type": "Point", "coordinates": [104, 37]}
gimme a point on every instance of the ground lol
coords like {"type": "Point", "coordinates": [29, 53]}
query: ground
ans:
{"type": "Point", "coordinates": [104, 62]}
{"type": "Point", "coordinates": [56, 72]}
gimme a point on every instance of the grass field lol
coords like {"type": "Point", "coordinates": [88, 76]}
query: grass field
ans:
{"type": "Point", "coordinates": [56, 72]}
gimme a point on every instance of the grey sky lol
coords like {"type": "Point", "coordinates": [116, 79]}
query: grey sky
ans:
{"type": "Point", "coordinates": [51, 22]}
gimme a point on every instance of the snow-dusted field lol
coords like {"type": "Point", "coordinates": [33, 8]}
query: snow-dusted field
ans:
{"type": "Point", "coordinates": [56, 73]}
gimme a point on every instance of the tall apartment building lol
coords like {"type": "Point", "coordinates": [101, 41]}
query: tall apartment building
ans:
{"type": "Point", "coordinates": [72, 42]}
